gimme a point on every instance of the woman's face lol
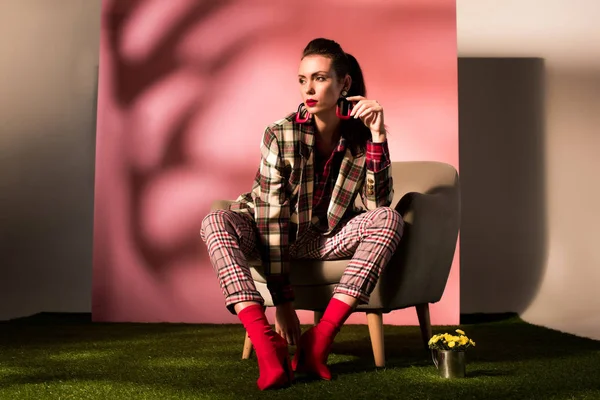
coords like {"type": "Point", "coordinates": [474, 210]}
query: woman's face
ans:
{"type": "Point", "coordinates": [320, 87]}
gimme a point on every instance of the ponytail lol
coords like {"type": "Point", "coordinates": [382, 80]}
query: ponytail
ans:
{"type": "Point", "coordinates": [357, 133]}
{"type": "Point", "coordinates": [358, 81]}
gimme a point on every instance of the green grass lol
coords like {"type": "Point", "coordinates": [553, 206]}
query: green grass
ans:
{"type": "Point", "coordinates": [73, 359]}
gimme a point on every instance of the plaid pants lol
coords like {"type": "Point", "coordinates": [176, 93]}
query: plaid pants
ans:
{"type": "Point", "coordinates": [370, 239]}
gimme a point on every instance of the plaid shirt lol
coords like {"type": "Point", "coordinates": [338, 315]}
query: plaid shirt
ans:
{"type": "Point", "coordinates": [283, 191]}
{"type": "Point", "coordinates": [376, 160]}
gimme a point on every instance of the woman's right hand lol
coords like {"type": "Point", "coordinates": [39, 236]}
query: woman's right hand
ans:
{"type": "Point", "coordinates": [287, 323]}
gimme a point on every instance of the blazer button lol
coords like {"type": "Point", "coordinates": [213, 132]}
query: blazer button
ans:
{"type": "Point", "coordinates": [370, 180]}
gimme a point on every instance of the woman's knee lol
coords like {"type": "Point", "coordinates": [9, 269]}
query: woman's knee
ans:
{"type": "Point", "coordinates": [386, 217]}
{"type": "Point", "coordinates": [214, 221]}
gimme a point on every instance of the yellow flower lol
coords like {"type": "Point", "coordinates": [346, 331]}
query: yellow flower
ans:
{"type": "Point", "coordinates": [458, 341]}
{"type": "Point", "coordinates": [434, 339]}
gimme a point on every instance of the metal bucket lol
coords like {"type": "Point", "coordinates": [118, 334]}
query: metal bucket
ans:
{"type": "Point", "coordinates": [450, 364]}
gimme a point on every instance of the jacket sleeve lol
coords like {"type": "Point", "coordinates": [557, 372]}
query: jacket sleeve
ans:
{"type": "Point", "coordinates": [378, 188]}
{"type": "Point", "coordinates": [272, 215]}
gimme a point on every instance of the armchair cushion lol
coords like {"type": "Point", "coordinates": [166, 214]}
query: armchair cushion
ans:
{"type": "Point", "coordinates": [307, 272]}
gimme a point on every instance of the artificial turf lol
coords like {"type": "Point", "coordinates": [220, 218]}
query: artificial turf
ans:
{"type": "Point", "coordinates": [49, 357]}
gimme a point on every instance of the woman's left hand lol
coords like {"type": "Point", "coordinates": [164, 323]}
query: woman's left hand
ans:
{"type": "Point", "coordinates": [371, 114]}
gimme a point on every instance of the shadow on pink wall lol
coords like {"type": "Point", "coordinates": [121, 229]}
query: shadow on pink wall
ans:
{"type": "Point", "coordinates": [185, 92]}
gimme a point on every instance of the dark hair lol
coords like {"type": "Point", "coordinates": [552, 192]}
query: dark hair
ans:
{"type": "Point", "coordinates": [355, 132]}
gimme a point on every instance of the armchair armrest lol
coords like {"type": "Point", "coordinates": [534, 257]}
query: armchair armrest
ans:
{"type": "Point", "coordinates": [220, 205]}
{"type": "Point", "coordinates": [419, 270]}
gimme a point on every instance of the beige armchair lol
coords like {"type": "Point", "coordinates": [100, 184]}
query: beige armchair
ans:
{"type": "Point", "coordinates": [427, 195]}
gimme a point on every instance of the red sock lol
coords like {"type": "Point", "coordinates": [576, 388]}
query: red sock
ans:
{"type": "Point", "coordinates": [315, 344]}
{"type": "Point", "coordinates": [336, 313]}
{"type": "Point", "coordinates": [271, 349]}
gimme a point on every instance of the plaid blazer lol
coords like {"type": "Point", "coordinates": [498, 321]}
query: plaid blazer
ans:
{"type": "Point", "coordinates": [282, 193]}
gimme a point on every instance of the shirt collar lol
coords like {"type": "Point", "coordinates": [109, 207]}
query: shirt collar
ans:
{"type": "Point", "coordinates": [341, 147]}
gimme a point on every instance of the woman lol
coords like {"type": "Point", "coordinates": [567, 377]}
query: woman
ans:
{"type": "Point", "coordinates": [314, 163]}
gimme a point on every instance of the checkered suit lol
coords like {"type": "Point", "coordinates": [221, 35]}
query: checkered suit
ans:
{"type": "Point", "coordinates": [281, 198]}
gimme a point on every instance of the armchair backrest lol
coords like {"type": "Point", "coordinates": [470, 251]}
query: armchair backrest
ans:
{"type": "Point", "coordinates": [425, 177]}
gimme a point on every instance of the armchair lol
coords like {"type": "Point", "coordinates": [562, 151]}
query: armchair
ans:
{"type": "Point", "coordinates": [427, 196]}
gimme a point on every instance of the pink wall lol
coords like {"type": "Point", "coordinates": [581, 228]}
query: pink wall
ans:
{"type": "Point", "coordinates": [178, 128]}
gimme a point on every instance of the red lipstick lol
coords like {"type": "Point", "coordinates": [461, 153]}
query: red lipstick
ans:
{"type": "Point", "coordinates": [311, 103]}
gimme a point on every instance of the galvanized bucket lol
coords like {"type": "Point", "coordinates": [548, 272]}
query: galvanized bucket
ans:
{"type": "Point", "coordinates": [450, 364]}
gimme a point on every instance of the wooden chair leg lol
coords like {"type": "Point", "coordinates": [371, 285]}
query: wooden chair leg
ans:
{"type": "Point", "coordinates": [247, 348]}
{"type": "Point", "coordinates": [317, 317]}
{"type": "Point", "coordinates": [424, 323]}
{"type": "Point", "coordinates": [375, 322]}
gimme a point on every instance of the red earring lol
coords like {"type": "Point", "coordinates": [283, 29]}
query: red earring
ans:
{"type": "Point", "coordinates": [344, 107]}
{"type": "Point", "coordinates": [299, 118]}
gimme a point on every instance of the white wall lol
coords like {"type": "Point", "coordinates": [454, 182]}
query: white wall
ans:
{"type": "Point", "coordinates": [48, 62]}
{"type": "Point", "coordinates": [566, 34]}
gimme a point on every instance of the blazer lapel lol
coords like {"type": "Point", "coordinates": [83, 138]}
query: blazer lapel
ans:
{"type": "Point", "coordinates": [305, 194]}
{"type": "Point", "coordinates": [344, 189]}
